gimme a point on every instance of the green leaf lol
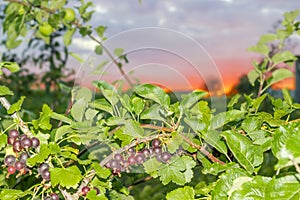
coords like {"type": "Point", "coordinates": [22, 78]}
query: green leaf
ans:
{"type": "Point", "coordinates": [213, 138]}
{"type": "Point", "coordinates": [225, 183]}
{"type": "Point", "coordinates": [292, 15]}
{"type": "Point", "coordinates": [260, 48]}
{"type": "Point", "coordinates": [11, 66]}
{"type": "Point", "coordinates": [101, 172]}
{"type": "Point", "coordinates": [67, 38]}
{"type": "Point", "coordinates": [287, 187]}
{"type": "Point", "coordinates": [196, 124]}
{"type": "Point", "coordinates": [92, 195]}
{"type": "Point", "coordinates": [234, 100]}
{"type": "Point", "coordinates": [5, 91]}
{"type": "Point", "coordinates": [102, 104]}
{"type": "Point", "coordinates": [279, 75]}
{"type": "Point", "coordinates": [133, 129]}
{"type": "Point", "coordinates": [154, 93]}
{"type": "Point", "coordinates": [61, 117]}
{"type": "Point", "coordinates": [118, 52]}
{"type": "Point", "coordinates": [78, 109]}
{"type": "Point", "coordinates": [152, 113]}
{"type": "Point", "coordinates": [283, 57]}
{"type": "Point", "coordinates": [58, 176]}
{"type": "Point", "coordinates": [253, 189]}
{"type": "Point", "coordinates": [16, 106]}
{"type": "Point", "coordinates": [266, 38]}
{"type": "Point", "coordinates": [40, 157]}
{"type": "Point", "coordinates": [3, 141]}
{"type": "Point", "coordinates": [190, 99]}
{"type": "Point", "coordinates": [61, 131]}
{"type": "Point", "coordinates": [293, 144]}
{"type": "Point", "coordinates": [99, 50]}
{"type": "Point", "coordinates": [247, 154]}
{"type": "Point", "coordinates": [100, 30]}
{"type": "Point", "coordinates": [287, 97]}
{"type": "Point", "coordinates": [11, 194]}
{"type": "Point", "coordinates": [218, 121]}
{"type": "Point", "coordinates": [252, 76]}
{"type": "Point", "coordinates": [151, 167]}
{"type": "Point", "coordinates": [44, 120]}
{"type": "Point", "coordinates": [251, 124]}
{"type": "Point", "coordinates": [138, 105]}
{"type": "Point", "coordinates": [185, 193]}
{"type": "Point", "coordinates": [77, 57]}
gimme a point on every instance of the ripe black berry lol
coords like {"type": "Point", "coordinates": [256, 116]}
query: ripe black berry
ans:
{"type": "Point", "coordinates": [10, 140]}
{"type": "Point", "coordinates": [54, 196]}
{"type": "Point", "coordinates": [17, 146]}
{"type": "Point", "coordinates": [23, 157]}
{"type": "Point", "coordinates": [23, 136]}
{"type": "Point", "coordinates": [166, 156]}
{"type": "Point", "coordinates": [19, 166]}
{"type": "Point", "coordinates": [156, 143]}
{"type": "Point", "coordinates": [119, 157]}
{"type": "Point", "coordinates": [45, 175]}
{"type": "Point", "coordinates": [26, 143]}
{"type": "Point", "coordinates": [157, 150]}
{"type": "Point", "coordinates": [131, 160]}
{"type": "Point", "coordinates": [146, 152]}
{"type": "Point", "coordinates": [115, 164]}
{"type": "Point", "coordinates": [11, 169]}
{"type": "Point", "coordinates": [131, 150]}
{"type": "Point", "coordinates": [13, 133]}
{"type": "Point", "coordinates": [140, 158]}
{"type": "Point", "coordinates": [85, 190]}
{"type": "Point", "coordinates": [10, 160]}
{"type": "Point", "coordinates": [35, 142]}
{"type": "Point", "coordinates": [42, 167]}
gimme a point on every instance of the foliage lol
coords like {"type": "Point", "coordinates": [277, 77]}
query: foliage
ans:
{"type": "Point", "coordinates": [105, 145]}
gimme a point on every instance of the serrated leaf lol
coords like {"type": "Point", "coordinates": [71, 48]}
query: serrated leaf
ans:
{"type": "Point", "coordinates": [12, 194]}
{"type": "Point", "coordinates": [247, 154]}
{"type": "Point", "coordinates": [5, 91]}
{"type": "Point", "coordinates": [251, 124]}
{"type": "Point", "coordinates": [43, 121]}
{"type": "Point", "coordinates": [190, 99]}
{"type": "Point", "coordinates": [133, 129]}
{"type": "Point", "coordinates": [218, 121]}
{"type": "Point", "coordinates": [151, 167]}
{"type": "Point", "coordinates": [40, 157]}
{"type": "Point", "coordinates": [260, 48]}
{"type": "Point", "coordinates": [252, 76]}
{"type": "Point", "coordinates": [78, 109]}
{"type": "Point", "coordinates": [196, 124]}
{"type": "Point", "coordinates": [213, 138]}
{"type": "Point", "coordinates": [185, 193]}
{"type": "Point", "coordinates": [154, 93]}
{"type": "Point", "coordinates": [225, 183]}
{"type": "Point", "coordinates": [287, 188]}
{"type": "Point", "coordinates": [234, 100]}
{"type": "Point", "coordinates": [16, 106]}
{"type": "Point", "coordinates": [61, 131]}
{"type": "Point", "coordinates": [283, 57]}
{"type": "Point", "coordinates": [58, 176]}
{"type": "Point", "coordinates": [254, 189]}
{"type": "Point", "coordinates": [101, 172]}
{"type": "Point", "coordinates": [279, 75]}
{"type": "Point", "coordinates": [152, 113]}
{"type": "Point", "coordinates": [92, 195]}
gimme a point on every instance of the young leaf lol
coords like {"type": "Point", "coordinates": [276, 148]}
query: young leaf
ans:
{"type": "Point", "coordinates": [154, 93]}
{"type": "Point", "coordinates": [190, 99]}
{"type": "Point", "coordinates": [100, 30]}
{"type": "Point", "coordinates": [16, 106]}
{"type": "Point", "coordinates": [43, 121]}
{"type": "Point", "coordinates": [279, 75]}
{"type": "Point", "coordinates": [247, 154]}
{"type": "Point", "coordinates": [98, 50]}
{"type": "Point", "coordinates": [133, 129]}
{"type": "Point", "coordinates": [12, 194]}
{"type": "Point", "coordinates": [3, 141]}
{"type": "Point", "coordinates": [283, 57]}
{"type": "Point", "coordinates": [185, 193]}
{"type": "Point", "coordinates": [78, 109]}
{"type": "Point", "coordinates": [68, 36]}
{"type": "Point", "coordinates": [151, 167]}
{"type": "Point", "coordinates": [61, 131]}
{"type": "Point", "coordinates": [118, 52]}
{"type": "Point", "coordinates": [58, 176]}
{"type": "Point", "coordinates": [260, 48]}
{"type": "Point", "coordinates": [266, 38]}
{"type": "Point", "coordinates": [11, 66]}
{"type": "Point", "coordinates": [252, 76]}
{"type": "Point", "coordinates": [5, 91]}
{"type": "Point", "coordinates": [152, 113]}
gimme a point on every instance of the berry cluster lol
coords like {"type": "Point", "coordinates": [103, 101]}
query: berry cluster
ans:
{"type": "Point", "coordinates": [21, 145]}
{"type": "Point", "coordinates": [121, 163]}
{"type": "Point", "coordinates": [86, 189]}
{"type": "Point", "coordinates": [43, 170]}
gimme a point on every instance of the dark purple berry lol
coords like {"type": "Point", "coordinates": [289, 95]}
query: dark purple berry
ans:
{"type": "Point", "coordinates": [107, 165]}
{"type": "Point", "coordinates": [23, 136]}
{"type": "Point", "coordinates": [85, 190]}
{"type": "Point", "coordinates": [26, 143]}
{"type": "Point", "coordinates": [131, 150]}
{"type": "Point", "coordinates": [10, 140]}
{"type": "Point", "coordinates": [13, 133]}
{"type": "Point", "coordinates": [119, 157]}
{"type": "Point", "coordinates": [146, 152]}
{"type": "Point", "coordinates": [10, 160]}
{"type": "Point", "coordinates": [35, 142]}
{"type": "Point", "coordinates": [114, 164]}
{"type": "Point", "coordinates": [42, 167]}
{"type": "Point", "coordinates": [166, 156]}
{"type": "Point", "coordinates": [45, 175]}
{"type": "Point", "coordinates": [23, 157]}
{"type": "Point", "coordinates": [158, 158]}
{"type": "Point", "coordinates": [54, 196]}
{"type": "Point", "coordinates": [11, 169]}
{"type": "Point", "coordinates": [17, 146]}
{"type": "Point", "coordinates": [140, 158]}
{"type": "Point", "coordinates": [131, 160]}
{"type": "Point", "coordinates": [157, 150]}
{"type": "Point", "coordinates": [156, 143]}
{"type": "Point", "coordinates": [19, 166]}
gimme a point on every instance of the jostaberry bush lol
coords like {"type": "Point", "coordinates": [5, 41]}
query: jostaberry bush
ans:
{"type": "Point", "coordinates": [116, 145]}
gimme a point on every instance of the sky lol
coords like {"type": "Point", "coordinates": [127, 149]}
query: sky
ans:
{"type": "Point", "coordinates": [181, 44]}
